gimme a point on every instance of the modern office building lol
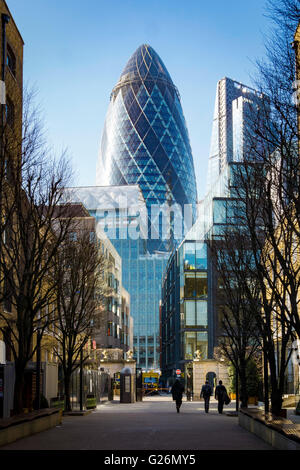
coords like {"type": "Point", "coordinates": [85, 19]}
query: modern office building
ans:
{"type": "Point", "coordinates": [145, 143]}
{"type": "Point", "coordinates": [121, 213]}
{"type": "Point", "coordinates": [231, 129]}
{"type": "Point", "coordinates": [189, 306]}
{"type": "Point", "coordinates": [145, 140]}
{"type": "Point", "coordinates": [184, 307]}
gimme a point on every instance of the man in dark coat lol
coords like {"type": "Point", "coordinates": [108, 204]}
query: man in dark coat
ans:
{"type": "Point", "coordinates": [220, 395]}
{"type": "Point", "coordinates": [206, 393]}
{"type": "Point", "coordinates": [177, 391]}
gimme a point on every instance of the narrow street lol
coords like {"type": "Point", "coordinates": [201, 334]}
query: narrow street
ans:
{"type": "Point", "coordinates": [149, 425]}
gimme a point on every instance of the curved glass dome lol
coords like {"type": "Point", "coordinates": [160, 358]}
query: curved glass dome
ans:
{"type": "Point", "coordinates": [145, 140]}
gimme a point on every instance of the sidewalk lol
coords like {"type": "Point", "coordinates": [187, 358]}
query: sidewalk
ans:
{"type": "Point", "coordinates": [292, 416]}
{"type": "Point", "coordinates": [149, 425]}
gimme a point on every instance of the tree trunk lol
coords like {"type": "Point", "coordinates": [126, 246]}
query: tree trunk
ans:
{"type": "Point", "coordinates": [266, 383]}
{"type": "Point", "coordinates": [244, 392]}
{"type": "Point", "coordinates": [19, 388]}
{"type": "Point", "coordinates": [276, 395]}
{"type": "Point", "coordinates": [67, 381]}
{"type": "Point", "coordinates": [276, 401]}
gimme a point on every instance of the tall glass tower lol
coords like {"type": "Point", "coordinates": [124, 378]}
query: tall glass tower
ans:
{"type": "Point", "coordinates": [231, 122]}
{"type": "Point", "coordinates": [145, 142]}
{"type": "Point", "coordinates": [145, 139]}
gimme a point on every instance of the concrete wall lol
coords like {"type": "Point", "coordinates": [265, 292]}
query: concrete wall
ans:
{"type": "Point", "coordinates": [269, 435]}
{"type": "Point", "coordinates": [201, 368]}
{"type": "Point", "coordinates": [116, 366]}
{"type": "Point", "coordinates": [30, 426]}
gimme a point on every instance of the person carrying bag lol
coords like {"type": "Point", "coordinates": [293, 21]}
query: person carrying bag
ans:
{"type": "Point", "coordinates": [222, 396]}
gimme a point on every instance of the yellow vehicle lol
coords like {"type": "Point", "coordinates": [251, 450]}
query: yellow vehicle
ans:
{"type": "Point", "coordinates": [150, 381]}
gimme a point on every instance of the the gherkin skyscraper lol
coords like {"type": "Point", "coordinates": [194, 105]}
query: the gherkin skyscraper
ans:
{"type": "Point", "coordinates": [145, 142]}
{"type": "Point", "coordinates": [145, 139]}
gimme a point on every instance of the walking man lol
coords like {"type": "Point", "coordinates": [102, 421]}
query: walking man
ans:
{"type": "Point", "coordinates": [177, 391]}
{"type": "Point", "coordinates": [220, 395]}
{"type": "Point", "coordinates": [206, 393]}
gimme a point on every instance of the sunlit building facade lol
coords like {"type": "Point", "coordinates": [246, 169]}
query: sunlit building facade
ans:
{"type": "Point", "coordinates": [231, 129]}
{"type": "Point", "coordinates": [184, 308]}
{"type": "Point", "coordinates": [119, 212]}
{"type": "Point", "coordinates": [145, 142]}
{"type": "Point", "coordinates": [189, 307]}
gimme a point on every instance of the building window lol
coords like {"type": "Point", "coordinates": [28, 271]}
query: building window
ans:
{"type": "Point", "coordinates": [189, 256]}
{"type": "Point", "coordinates": [9, 112]}
{"type": "Point", "coordinates": [11, 60]}
{"type": "Point", "coordinates": [7, 235]}
{"type": "Point", "coordinates": [195, 285]}
{"type": "Point", "coordinates": [194, 341]}
{"type": "Point", "coordinates": [190, 286]}
{"type": "Point", "coordinates": [8, 173]}
{"type": "Point", "coordinates": [201, 285]}
{"type": "Point", "coordinates": [201, 313]}
{"type": "Point", "coordinates": [109, 328]}
{"type": "Point", "coordinates": [142, 340]}
{"type": "Point", "coordinates": [190, 307]}
{"type": "Point", "coordinates": [73, 236]}
{"type": "Point", "coordinates": [109, 304]}
{"type": "Point", "coordinates": [201, 256]}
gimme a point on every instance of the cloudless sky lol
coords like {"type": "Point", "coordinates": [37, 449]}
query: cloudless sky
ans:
{"type": "Point", "coordinates": [75, 52]}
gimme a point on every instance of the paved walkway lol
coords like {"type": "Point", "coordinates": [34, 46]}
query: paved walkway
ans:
{"type": "Point", "coordinates": [149, 425]}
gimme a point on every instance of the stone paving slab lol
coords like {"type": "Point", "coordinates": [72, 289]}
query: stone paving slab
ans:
{"type": "Point", "coordinates": [149, 425]}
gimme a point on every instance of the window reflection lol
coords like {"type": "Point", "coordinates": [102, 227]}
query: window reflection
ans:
{"type": "Point", "coordinates": [194, 341]}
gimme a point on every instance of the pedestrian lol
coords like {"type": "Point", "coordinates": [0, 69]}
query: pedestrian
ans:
{"type": "Point", "coordinates": [220, 395]}
{"type": "Point", "coordinates": [206, 393]}
{"type": "Point", "coordinates": [177, 391]}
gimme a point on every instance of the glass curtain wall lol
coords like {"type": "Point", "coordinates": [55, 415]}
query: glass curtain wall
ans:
{"type": "Point", "coordinates": [192, 258]}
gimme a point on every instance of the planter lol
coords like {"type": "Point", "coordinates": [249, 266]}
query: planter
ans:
{"type": "Point", "coordinates": [91, 402]}
{"type": "Point", "coordinates": [24, 425]}
{"type": "Point", "coordinates": [280, 433]}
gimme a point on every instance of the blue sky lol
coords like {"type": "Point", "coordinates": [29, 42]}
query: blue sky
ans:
{"type": "Point", "coordinates": [75, 51]}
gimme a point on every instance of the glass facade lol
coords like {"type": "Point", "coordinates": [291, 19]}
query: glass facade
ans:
{"type": "Point", "coordinates": [190, 309]}
{"type": "Point", "coordinates": [233, 108]}
{"type": "Point", "coordinates": [116, 209]}
{"type": "Point", "coordinates": [145, 140]}
{"type": "Point", "coordinates": [184, 307]}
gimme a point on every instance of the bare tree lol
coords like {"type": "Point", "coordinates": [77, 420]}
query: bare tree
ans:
{"type": "Point", "coordinates": [31, 188]}
{"type": "Point", "coordinates": [80, 269]}
{"type": "Point", "coordinates": [239, 338]}
{"type": "Point", "coordinates": [266, 188]}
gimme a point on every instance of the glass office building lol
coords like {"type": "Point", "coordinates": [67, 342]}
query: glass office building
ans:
{"type": "Point", "coordinates": [184, 308]}
{"type": "Point", "coordinates": [145, 140]}
{"type": "Point", "coordinates": [189, 308]}
{"type": "Point", "coordinates": [120, 212]}
{"type": "Point", "coordinates": [234, 106]}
